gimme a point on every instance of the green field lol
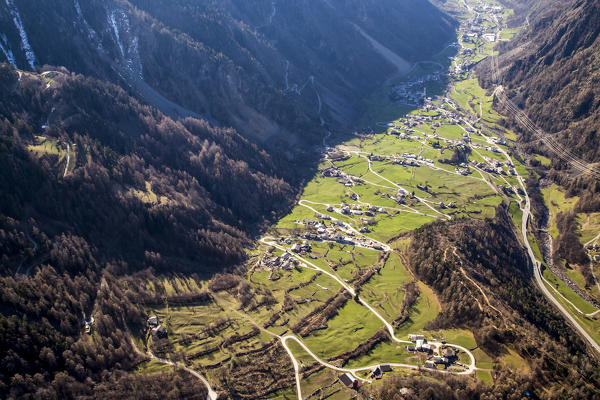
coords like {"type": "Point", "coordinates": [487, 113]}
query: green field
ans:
{"type": "Point", "coordinates": [556, 202]}
{"type": "Point", "coordinates": [589, 226]}
{"type": "Point", "coordinates": [590, 324]}
{"type": "Point", "coordinates": [567, 292]}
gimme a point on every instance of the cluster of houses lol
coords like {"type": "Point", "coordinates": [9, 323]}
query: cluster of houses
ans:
{"type": "Point", "coordinates": [351, 382]}
{"type": "Point", "coordinates": [463, 169]}
{"type": "Point", "coordinates": [510, 190]}
{"type": "Point", "coordinates": [414, 91]}
{"type": "Point", "coordinates": [337, 231]}
{"type": "Point", "coordinates": [285, 262]}
{"type": "Point", "coordinates": [477, 29]}
{"type": "Point", "coordinates": [343, 178]}
{"type": "Point", "coordinates": [303, 247]}
{"type": "Point", "coordinates": [497, 140]}
{"type": "Point", "coordinates": [405, 159]}
{"type": "Point", "coordinates": [486, 148]}
{"type": "Point", "coordinates": [443, 206]}
{"type": "Point", "coordinates": [340, 232]}
{"type": "Point", "coordinates": [156, 329]}
{"type": "Point", "coordinates": [495, 167]}
{"type": "Point", "coordinates": [594, 248]}
{"type": "Point", "coordinates": [444, 358]}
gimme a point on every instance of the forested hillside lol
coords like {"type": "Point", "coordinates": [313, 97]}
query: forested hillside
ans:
{"type": "Point", "coordinates": [552, 70]}
{"type": "Point", "coordinates": [443, 255]}
{"type": "Point", "coordinates": [83, 157]}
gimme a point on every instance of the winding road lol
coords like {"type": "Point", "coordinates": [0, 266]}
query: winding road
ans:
{"type": "Point", "coordinates": [212, 395]}
{"type": "Point", "coordinates": [561, 152]}
{"type": "Point", "coordinates": [271, 241]}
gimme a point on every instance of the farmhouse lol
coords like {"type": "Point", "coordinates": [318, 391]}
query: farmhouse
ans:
{"type": "Point", "coordinates": [440, 360]}
{"type": "Point", "coordinates": [449, 353]}
{"type": "Point", "coordinates": [350, 381]}
{"type": "Point", "coordinates": [413, 337]}
{"type": "Point", "coordinates": [378, 372]}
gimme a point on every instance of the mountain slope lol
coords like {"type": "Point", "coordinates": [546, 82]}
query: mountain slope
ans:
{"type": "Point", "coordinates": [266, 68]}
{"type": "Point", "coordinates": [126, 178]}
{"type": "Point", "coordinates": [553, 72]}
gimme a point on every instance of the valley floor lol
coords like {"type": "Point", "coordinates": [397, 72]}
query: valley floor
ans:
{"type": "Point", "coordinates": [328, 284]}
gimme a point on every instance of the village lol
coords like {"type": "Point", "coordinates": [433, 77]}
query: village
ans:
{"type": "Point", "coordinates": [438, 357]}
{"type": "Point", "coordinates": [337, 232]}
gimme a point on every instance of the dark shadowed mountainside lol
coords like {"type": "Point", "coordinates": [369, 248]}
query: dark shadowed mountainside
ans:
{"type": "Point", "coordinates": [269, 69]}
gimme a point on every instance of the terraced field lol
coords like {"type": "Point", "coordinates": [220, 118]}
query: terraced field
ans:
{"type": "Point", "coordinates": [327, 284]}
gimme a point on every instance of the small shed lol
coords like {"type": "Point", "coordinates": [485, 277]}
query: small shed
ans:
{"type": "Point", "coordinates": [153, 320]}
{"type": "Point", "coordinates": [160, 332]}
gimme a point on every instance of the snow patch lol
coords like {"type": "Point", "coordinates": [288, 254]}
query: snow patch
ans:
{"type": "Point", "coordinates": [91, 33]}
{"type": "Point", "coordinates": [273, 13]}
{"type": "Point", "coordinates": [128, 43]}
{"type": "Point", "coordinates": [113, 23]}
{"type": "Point", "coordinates": [7, 51]}
{"type": "Point", "coordinates": [29, 54]}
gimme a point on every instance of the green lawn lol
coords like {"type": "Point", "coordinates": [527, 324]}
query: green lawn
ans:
{"type": "Point", "coordinates": [425, 309]}
{"type": "Point", "coordinates": [384, 291]}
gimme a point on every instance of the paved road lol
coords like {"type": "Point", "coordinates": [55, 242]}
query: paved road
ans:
{"type": "Point", "coordinates": [538, 273]}
{"type": "Point", "coordinates": [564, 154]}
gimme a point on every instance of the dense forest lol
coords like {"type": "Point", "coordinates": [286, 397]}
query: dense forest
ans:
{"type": "Point", "coordinates": [443, 253]}
{"type": "Point", "coordinates": [95, 183]}
{"type": "Point", "coordinates": [139, 186]}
